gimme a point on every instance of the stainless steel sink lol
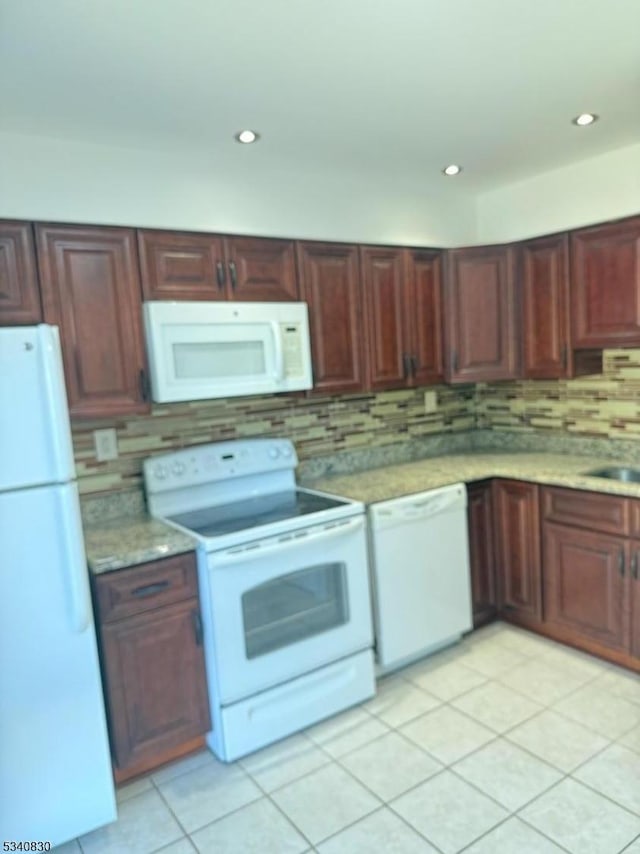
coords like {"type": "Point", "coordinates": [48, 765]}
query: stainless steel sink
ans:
{"type": "Point", "coordinates": [616, 473]}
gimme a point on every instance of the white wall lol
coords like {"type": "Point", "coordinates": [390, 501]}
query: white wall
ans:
{"type": "Point", "coordinates": [594, 190]}
{"type": "Point", "coordinates": [67, 181]}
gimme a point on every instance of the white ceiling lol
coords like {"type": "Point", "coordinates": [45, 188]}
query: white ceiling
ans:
{"type": "Point", "coordinates": [400, 86]}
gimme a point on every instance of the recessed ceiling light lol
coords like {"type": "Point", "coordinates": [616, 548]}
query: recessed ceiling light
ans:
{"type": "Point", "coordinates": [247, 136]}
{"type": "Point", "coordinates": [585, 119]}
{"type": "Point", "coordinates": [452, 169]}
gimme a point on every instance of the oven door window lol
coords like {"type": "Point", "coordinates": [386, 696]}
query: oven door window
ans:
{"type": "Point", "coordinates": [294, 607]}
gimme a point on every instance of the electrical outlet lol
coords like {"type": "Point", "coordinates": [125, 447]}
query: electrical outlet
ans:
{"type": "Point", "coordinates": [430, 401]}
{"type": "Point", "coordinates": [106, 444]}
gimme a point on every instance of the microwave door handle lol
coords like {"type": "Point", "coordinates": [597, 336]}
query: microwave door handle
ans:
{"type": "Point", "coordinates": [279, 354]}
{"type": "Point", "coordinates": [297, 539]}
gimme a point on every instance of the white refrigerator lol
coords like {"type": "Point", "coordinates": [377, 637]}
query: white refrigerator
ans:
{"type": "Point", "coordinates": [55, 771]}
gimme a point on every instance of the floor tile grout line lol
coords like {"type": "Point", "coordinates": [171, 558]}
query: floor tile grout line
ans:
{"type": "Point", "coordinates": [628, 846]}
{"type": "Point", "coordinates": [605, 796]}
{"type": "Point", "coordinates": [504, 821]}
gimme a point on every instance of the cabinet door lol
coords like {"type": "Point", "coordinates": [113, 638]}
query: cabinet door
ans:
{"type": "Point", "coordinates": [635, 598]}
{"type": "Point", "coordinates": [330, 285]}
{"type": "Point", "coordinates": [481, 552]}
{"type": "Point", "coordinates": [423, 308]}
{"type": "Point", "coordinates": [383, 276]}
{"type": "Point", "coordinates": [19, 293]}
{"type": "Point", "coordinates": [261, 269]}
{"type": "Point", "coordinates": [544, 278]}
{"type": "Point", "coordinates": [91, 290]}
{"type": "Point", "coordinates": [585, 584]}
{"type": "Point", "coordinates": [155, 681]}
{"type": "Point", "coordinates": [176, 265]}
{"type": "Point", "coordinates": [517, 527]}
{"type": "Point", "coordinates": [480, 311]}
{"type": "Point", "coordinates": [605, 280]}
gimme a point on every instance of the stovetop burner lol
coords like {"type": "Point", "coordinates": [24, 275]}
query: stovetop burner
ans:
{"type": "Point", "coordinates": [254, 512]}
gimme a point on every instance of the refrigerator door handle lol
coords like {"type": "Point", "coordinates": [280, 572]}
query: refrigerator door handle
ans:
{"type": "Point", "coordinates": [77, 576]}
{"type": "Point", "coordinates": [56, 393]}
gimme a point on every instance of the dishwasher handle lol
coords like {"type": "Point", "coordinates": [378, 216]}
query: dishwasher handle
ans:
{"type": "Point", "coordinates": [422, 506]}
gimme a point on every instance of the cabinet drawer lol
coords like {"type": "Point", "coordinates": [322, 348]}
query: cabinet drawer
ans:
{"type": "Point", "coordinates": [607, 513]}
{"type": "Point", "coordinates": [126, 592]}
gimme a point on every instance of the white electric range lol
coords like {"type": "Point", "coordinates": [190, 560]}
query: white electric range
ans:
{"type": "Point", "coordinates": [284, 588]}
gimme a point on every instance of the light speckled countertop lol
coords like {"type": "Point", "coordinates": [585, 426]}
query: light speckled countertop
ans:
{"type": "Point", "coordinates": [131, 540]}
{"type": "Point", "coordinates": [138, 538]}
{"type": "Point", "coordinates": [407, 478]}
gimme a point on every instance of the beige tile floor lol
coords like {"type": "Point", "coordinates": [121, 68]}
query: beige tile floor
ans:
{"type": "Point", "coordinates": [504, 744]}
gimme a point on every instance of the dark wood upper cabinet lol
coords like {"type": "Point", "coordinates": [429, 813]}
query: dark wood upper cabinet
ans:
{"type": "Point", "coordinates": [518, 562]}
{"type": "Point", "coordinates": [544, 283]}
{"type": "Point", "coordinates": [261, 269]}
{"type": "Point", "coordinates": [424, 315]}
{"type": "Point", "coordinates": [605, 285]}
{"type": "Point", "coordinates": [383, 277]}
{"type": "Point", "coordinates": [177, 265]}
{"type": "Point", "coordinates": [480, 311]}
{"type": "Point", "coordinates": [91, 291]}
{"type": "Point", "coordinates": [481, 552]}
{"type": "Point", "coordinates": [19, 293]}
{"type": "Point", "coordinates": [330, 285]}
{"type": "Point", "coordinates": [403, 303]}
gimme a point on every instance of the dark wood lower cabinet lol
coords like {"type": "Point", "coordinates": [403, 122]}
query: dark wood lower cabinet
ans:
{"type": "Point", "coordinates": [518, 564]}
{"type": "Point", "coordinates": [152, 661]}
{"type": "Point", "coordinates": [586, 578]}
{"type": "Point", "coordinates": [634, 597]}
{"type": "Point", "coordinates": [481, 552]}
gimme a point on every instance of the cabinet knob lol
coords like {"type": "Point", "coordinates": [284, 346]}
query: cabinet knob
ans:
{"type": "Point", "coordinates": [145, 392]}
{"type": "Point", "coordinates": [196, 621]}
{"type": "Point", "coordinates": [406, 365]}
{"type": "Point", "coordinates": [234, 274]}
{"type": "Point", "coordinates": [221, 275]}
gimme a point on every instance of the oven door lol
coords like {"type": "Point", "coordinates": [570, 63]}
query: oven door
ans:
{"type": "Point", "coordinates": [285, 605]}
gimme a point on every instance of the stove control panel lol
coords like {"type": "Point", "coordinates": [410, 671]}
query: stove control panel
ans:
{"type": "Point", "coordinates": [218, 461]}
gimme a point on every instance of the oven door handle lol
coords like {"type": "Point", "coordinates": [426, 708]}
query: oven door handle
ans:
{"type": "Point", "coordinates": [288, 541]}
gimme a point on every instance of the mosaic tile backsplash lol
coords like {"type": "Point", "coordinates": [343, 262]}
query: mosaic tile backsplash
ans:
{"type": "Point", "coordinates": [318, 426]}
{"type": "Point", "coordinates": [347, 430]}
{"type": "Point", "coordinates": [607, 405]}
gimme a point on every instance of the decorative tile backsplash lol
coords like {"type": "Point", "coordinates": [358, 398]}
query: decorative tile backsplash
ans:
{"type": "Point", "coordinates": [606, 405]}
{"type": "Point", "coordinates": [318, 426]}
{"type": "Point", "coordinates": [602, 407]}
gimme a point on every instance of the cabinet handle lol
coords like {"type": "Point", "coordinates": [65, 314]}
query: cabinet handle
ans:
{"type": "Point", "coordinates": [150, 589]}
{"type": "Point", "coordinates": [406, 365]}
{"type": "Point", "coordinates": [414, 365]}
{"type": "Point", "coordinates": [221, 275]}
{"type": "Point", "coordinates": [621, 563]}
{"type": "Point", "coordinates": [196, 621]}
{"type": "Point", "coordinates": [454, 361]}
{"type": "Point", "coordinates": [565, 357]}
{"type": "Point", "coordinates": [634, 566]}
{"type": "Point", "coordinates": [145, 392]}
{"type": "Point", "coordinates": [234, 274]}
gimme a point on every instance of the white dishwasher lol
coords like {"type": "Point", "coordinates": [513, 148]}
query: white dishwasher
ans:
{"type": "Point", "coordinates": [420, 568]}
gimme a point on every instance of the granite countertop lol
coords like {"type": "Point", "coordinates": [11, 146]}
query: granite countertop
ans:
{"type": "Point", "coordinates": [131, 540]}
{"type": "Point", "coordinates": [407, 478]}
{"type": "Point", "coordinates": [137, 537]}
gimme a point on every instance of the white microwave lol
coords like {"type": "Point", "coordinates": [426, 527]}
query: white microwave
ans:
{"type": "Point", "coordinates": [205, 350]}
